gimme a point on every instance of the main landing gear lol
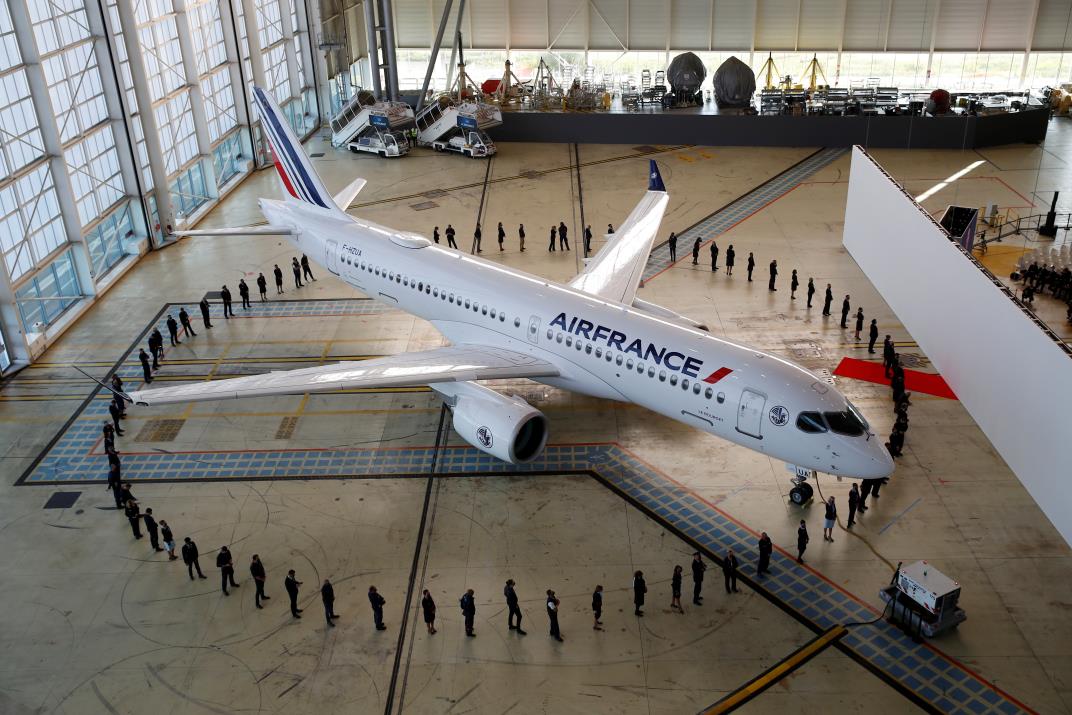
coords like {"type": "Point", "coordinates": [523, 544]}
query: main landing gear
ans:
{"type": "Point", "coordinates": [802, 492]}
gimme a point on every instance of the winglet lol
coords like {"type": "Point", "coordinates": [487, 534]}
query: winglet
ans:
{"type": "Point", "coordinates": [655, 180]}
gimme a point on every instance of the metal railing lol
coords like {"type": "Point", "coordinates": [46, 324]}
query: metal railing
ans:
{"type": "Point", "coordinates": [999, 227]}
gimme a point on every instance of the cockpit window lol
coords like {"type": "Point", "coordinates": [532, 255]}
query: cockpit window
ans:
{"type": "Point", "coordinates": [846, 423]}
{"type": "Point", "coordinates": [811, 422]}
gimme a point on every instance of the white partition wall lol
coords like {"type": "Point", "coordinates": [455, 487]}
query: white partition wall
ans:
{"type": "Point", "coordinates": [1013, 376]}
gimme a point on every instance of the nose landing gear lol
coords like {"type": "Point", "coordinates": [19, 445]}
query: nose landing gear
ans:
{"type": "Point", "coordinates": [802, 492]}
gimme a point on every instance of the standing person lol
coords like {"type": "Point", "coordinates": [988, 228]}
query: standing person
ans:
{"type": "Point", "coordinates": [845, 308]}
{"type": "Point", "coordinates": [828, 298]}
{"type": "Point", "coordinates": [225, 296]}
{"type": "Point", "coordinates": [449, 233]}
{"type": "Point", "coordinates": [766, 548]}
{"type": "Point", "coordinates": [811, 290]}
{"type": "Point", "coordinates": [511, 604]}
{"type": "Point", "coordinates": [587, 240]}
{"type": "Point", "coordinates": [521, 239]}
{"type": "Point", "coordinates": [468, 605]}
{"type": "Point", "coordinates": [377, 602]}
{"type": "Point", "coordinates": [134, 517]}
{"type": "Point", "coordinates": [865, 491]}
{"type": "Point", "coordinates": [291, 583]}
{"type": "Point", "coordinates": [714, 256]}
{"type": "Point", "coordinates": [672, 243]}
{"type": "Point", "coordinates": [729, 571]}
{"type": "Point", "coordinates": [146, 371]}
{"type": "Point", "coordinates": [109, 439]}
{"type": "Point", "coordinates": [887, 355]}
{"type": "Point", "coordinates": [169, 540]}
{"type": "Point", "coordinates": [152, 529]}
{"type": "Point", "coordinates": [563, 242]}
{"type": "Point", "coordinates": [117, 382]}
{"type": "Point", "coordinates": [429, 608]}
{"type": "Point", "coordinates": [731, 256]}
{"type": "Point", "coordinates": [189, 557]}
{"type": "Point", "coordinates": [854, 502]}
{"type": "Point", "coordinates": [114, 485]}
{"type": "Point", "coordinates": [696, 251]}
{"type": "Point", "coordinates": [115, 413]}
{"type": "Point", "coordinates": [773, 275]}
{"type": "Point", "coordinates": [639, 589]}
{"type": "Point", "coordinates": [295, 268]}
{"type": "Point", "coordinates": [476, 238]}
{"type": "Point", "coordinates": [793, 285]}
{"type": "Point", "coordinates": [502, 236]}
{"type": "Point", "coordinates": [675, 589]}
{"type": "Point", "coordinates": [256, 570]}
{"type": "Point", "coordinates": [872, 336]}
{"type": "Point", "coordinates": [327, 595]}
{"type": "Point", "coordinates": [859, 321]}
{"type": "Point", "coordinates": [156, 347]}
{"type": "Point", "coordinates": [262, 287]}
{"type": "Point", "coordinates": [307, 273]}
{"type": "Point", "coordinates": [750, 266]}
{"type": "Point", "coordinates": [278, 272]}
{"type": "Point", "coordinates": [205, 318]}
{"type": "Point", "coordinates": [597, 607]}
{"type": "Point", "coordinates": [173, 331]}
{"type": "Point", "coordinates": [802, 541]}
{"type": "Point", "coordinates": [610, 229]}
{"type": "Point", "coordinates": [184, 320]}
{"type": "Point", "coordinates": [698, 568]}
{"type": "Point", "coordinates": [226, 567]}
{"type": "Point", "coordinates": [243, 293]}
{"type": "Point", "coordinates": [125, 495]}
{"type": "Point", "coordinates": [552, 614]}
{"type": "Point", "coordinates": [551, 246]}
{"type": "Point", "coordinates": [830, 518]}
{"type": "Point", "coordinates": [435, 234]}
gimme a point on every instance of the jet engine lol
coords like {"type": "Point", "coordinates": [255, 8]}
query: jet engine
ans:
{"type": "Point", "coordinates": [503, 426]}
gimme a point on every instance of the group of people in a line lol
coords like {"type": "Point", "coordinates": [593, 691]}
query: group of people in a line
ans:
{"type": "Point", "coordinates": [559, 237]}
{"type": "Point", "coordinates": [901, 397]}
{"type": "Point", "coordinates": [1042, 278]}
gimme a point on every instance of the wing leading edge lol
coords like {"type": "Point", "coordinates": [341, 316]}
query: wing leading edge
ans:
{"type": "Point", "coordinates": [615, 272]}
{"type": "Point", "coordinates": [449, 364]}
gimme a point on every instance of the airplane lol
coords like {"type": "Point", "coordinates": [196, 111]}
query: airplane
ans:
{"type": "Point", "coordinates": [592, 336]}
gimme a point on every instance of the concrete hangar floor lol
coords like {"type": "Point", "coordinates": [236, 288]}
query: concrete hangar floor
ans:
{"type": "Point", "coordinates": [372, 488]}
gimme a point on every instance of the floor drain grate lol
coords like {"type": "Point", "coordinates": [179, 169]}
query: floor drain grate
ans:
{"type": "Point", "coordinates": [160, 431]}
{"type": "Point", "coordinates": [424, 206]}
{"type": "Point", "coordinates": [286, 428]}
{"type": "Point", "coordinates": [62, 500]}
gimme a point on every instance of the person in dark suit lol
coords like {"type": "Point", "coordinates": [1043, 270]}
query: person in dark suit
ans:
{"type": "Point", "coordinates": [827, 300]}
{"type": "Point", "coordinates": [811, 290]}
{"type": "Point", "coordinates": [521, 236]}
{"type": "Point", "coordinates": [587, 240]}
{"type": "Point", "coordinates": [173, 331]}
{"type": "Point", "coordinates": [698, 568]}
{"type": "Point", "coordinates": [597, 607]}
{"type": "Point", "coordinates": [243, 293]}
{"type": "Point", "coordinates": [156, 347]}
{"type": "Point", "coordinates": [152, 529]}
{"type": "Point", "coordinates": [307, 273]}
{"type": "Point", "coordinates": [729, 571]}
{"type": "Point", "coordinates": [845, 308]}
{"type": "Point", "coordinates": [854, 503]}
{"type": "Point", "coordinates": [125, 494]}
{"type": "Point", "coordinates": [731, 256]}
{"type": "Point", "coordinates": [225, 296]}
{"type": "Point", "coordinates": [696, 252]}
{"type": "Point", "coordinates": [675, 590]}
{"type": "Point", "coordinates": [189, 557]}
{"type": "Point", "coordinates": [766, 548]}
{"type": "Point", "coordinates": [714, 256]}
{"type": "Point", "coordinates": [794, 283]}
{"type": "Point", "coordinates": [872, 336]}
{"type": "Point", "coordinates": [377, 602]}
{"type": "Point", "coordinates": [262, 287]}
{"type": "Point", "coordinates": [169, 540]}
{"type": "Point", "coordinates": [511, 605]}
{"type": "Point", "coordinates": [551, 246]}
{"type": "Point", "coordinates": [449, 233]}
{"type": "Point", "coordinates": [256, 570]}
{"type": "Point", "coordinates": [203, 305]}
{"type": "Point", "coordinates": [435, 234]}
{"type": "Point", "coordinates": [563, 242]}
{"type": "Point", "coordinates": [639, 589]}
{"type": "Point", "coordinates": [295, 268]}
{"type": "Point", "coordinates": [327, 595]}
{"type": "Point", "coordinates": [429, 608]}
{"type": "Point", "coordinates": [802, 541]}
{"type": "Point", "coordinates": [468, 604]}
{"type": "Point", "coordinates": [134, 517]}
{"type": "Point", "coordinates": [184, 320]}
{"type": "Point", "coordinates": [146, 371]}
{"type": "Point", "coordinates": [887, 355]}
{"type": "Point", "coordinates": [226, 567]}
{"type": "Point", "coordinates": [115, 485]}
{"type": "Point", "coordinates": [773, 275]}
{"type": "Point", "coordinates": [476, 238]}
{"type": "Point", "coordinates": [751, 266]}
{"type": "Point", "coordinates": [859, 321]}
{"type": "Point", "coordinates": [291, 583]}
{"type": "Point", "coordinates": [502, 236]}
{"type": "Point", "coordinates": [552, 614]}
{"type": "Point", "coordinates": [115, 414]}
{"type": "Point", "coordinates": [278, 279]}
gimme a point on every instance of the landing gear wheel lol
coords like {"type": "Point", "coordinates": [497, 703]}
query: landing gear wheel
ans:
{"type": "Point", "coordinates": [801, 494]}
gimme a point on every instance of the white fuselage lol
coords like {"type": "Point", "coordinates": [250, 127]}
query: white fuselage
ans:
{"type": "Point", "coordinates": [601, 348]}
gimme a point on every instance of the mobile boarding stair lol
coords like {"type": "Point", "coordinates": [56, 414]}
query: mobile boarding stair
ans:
{"type": "Point", "coordinates": [446, 125]}
{"type": "Point", "coordinates": [376, 127]}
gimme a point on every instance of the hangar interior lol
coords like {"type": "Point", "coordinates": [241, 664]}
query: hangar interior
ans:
{"type": "Point", "coordinates": [125, 118]}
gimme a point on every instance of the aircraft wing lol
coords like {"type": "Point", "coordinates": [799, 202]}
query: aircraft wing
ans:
{"type": "Point", "coordinates": [448, 364]}
{"type": "Point", "coordinates": [614, 273]}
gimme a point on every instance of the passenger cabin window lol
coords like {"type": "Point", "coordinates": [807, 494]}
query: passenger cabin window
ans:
{"type": "Point", "coordinates": [810, 422]}
{"type": "Point", "coordinates": [696, 388]}
{"type": "Point", "coordinates": [720, 398]}
{"type": "Point", "coordinates": [846, 423]}
{"type": "Point", "coordinates": [673, 379]}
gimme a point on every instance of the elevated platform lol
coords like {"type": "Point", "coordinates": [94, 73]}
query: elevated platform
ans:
{"type": "Point", "coordinates": [703, 128]}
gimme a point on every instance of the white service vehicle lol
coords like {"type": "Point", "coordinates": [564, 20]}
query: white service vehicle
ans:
{"type": "Point", "coordinates": [447, 126]}
{"type": "Point", "coordinates": [924, 599]}
{"type": "Point", "coordinates": [375, 127]}
{"type": "Point", "coordinates": [590, 335]}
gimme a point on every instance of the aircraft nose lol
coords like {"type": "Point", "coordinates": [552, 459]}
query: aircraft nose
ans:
{"type": "Point", "coordinates": [874, 460]}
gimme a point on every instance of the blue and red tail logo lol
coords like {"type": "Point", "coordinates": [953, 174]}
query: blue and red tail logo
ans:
{"type": "Point", "coordinates": [299, 178]}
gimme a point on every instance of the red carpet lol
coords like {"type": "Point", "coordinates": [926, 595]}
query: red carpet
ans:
{"type": "Point", "coordinates": [915, 381]}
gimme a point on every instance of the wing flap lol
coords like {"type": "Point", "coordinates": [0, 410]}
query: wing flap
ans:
{"type": "Point", "coordinates": [449, 364]}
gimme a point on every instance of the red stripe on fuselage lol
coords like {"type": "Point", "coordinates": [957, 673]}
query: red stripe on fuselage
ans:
{"type": "Point", "coordinates": [717, 375]}
{"type": "Point", "coordinates": [282, 174]}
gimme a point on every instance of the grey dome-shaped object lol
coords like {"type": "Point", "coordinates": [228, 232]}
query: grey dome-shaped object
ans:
{"type": "Point", "coordinates": [734, 84]}
{"type": "Point", "coordinates": [685, 74]}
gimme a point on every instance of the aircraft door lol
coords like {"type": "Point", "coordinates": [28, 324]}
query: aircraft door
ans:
{"type": "Point", "coordinates": [534, 329]}
{"type": "Point", "coordinates": [750, 413]}
{"type": "Point", "coordinates": [333, 256]}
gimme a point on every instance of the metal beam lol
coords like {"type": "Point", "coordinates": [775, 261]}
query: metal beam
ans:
{"type": "Point", "coordinates": [390, 59]}
{"type": "Point", "coordinates": [435, 53]}
{"type": "Point", "coordinates": [373, 49]}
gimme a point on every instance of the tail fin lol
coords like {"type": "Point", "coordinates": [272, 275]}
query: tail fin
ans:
{"type": "Point", "coordinates": [655, 179]}
{"type": "Point", "coordinates": [299, 178]}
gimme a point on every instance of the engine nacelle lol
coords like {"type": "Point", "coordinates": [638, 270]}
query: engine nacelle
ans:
{"type": "Point", "coordinates": [503, 426]}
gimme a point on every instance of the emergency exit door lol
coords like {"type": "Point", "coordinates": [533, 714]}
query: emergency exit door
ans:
{"type": "Point", "coordinates": [333, 256]}
{"type": "Point", "coordinates": [750, 413]}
